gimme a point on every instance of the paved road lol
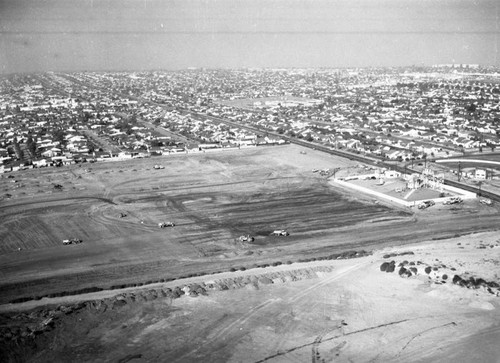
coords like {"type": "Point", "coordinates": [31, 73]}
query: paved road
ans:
{"type": "Point", "coordinates": [101, 142]}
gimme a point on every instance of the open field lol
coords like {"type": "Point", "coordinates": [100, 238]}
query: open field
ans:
{"type": "Point", "coordinates": [249, 103]}
{"type": "Point", "coordinates": [212, 198]}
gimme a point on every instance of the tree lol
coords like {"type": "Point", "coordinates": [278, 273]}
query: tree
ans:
{"type": "Point", "coordinates": [31, 145]}
{"type": "Point", "coordinates": [17, 149]}
{"type": "Point", "coordinates": [58, 135]}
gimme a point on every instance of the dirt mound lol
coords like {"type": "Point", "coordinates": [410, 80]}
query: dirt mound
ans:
{"type": "Point", "coordinates": [25, 329]}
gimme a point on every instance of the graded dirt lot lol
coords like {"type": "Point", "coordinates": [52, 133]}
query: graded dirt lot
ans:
{"type": "Point", "coordinates": [213, 198]}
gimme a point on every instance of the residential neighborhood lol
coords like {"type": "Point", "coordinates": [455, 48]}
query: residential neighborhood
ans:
{"type": "Point", "coordinates": [398, 114]}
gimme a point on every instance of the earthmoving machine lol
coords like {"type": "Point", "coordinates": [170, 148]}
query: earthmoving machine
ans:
{"type": "Point", "coordinates": [280, 232]}
{"type": "Point", "coordinates": [485, 201]}
{"type": "Point", "coordinates": [72, 241]}
{"type": "Point", "coordinates": [246, 238]}
{"type": "Point", "coordinates": [166, 224]}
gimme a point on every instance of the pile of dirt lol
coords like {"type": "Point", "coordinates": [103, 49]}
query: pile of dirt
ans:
{"type": "Point", "coordinates": [24, 329]}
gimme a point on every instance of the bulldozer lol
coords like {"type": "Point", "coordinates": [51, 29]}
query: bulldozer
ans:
{"type": "Point", "coordinates": [280, 232]}
{"type": "Point", "coordinates": [166, 224]}
{"type": "Point", "coordinates": [246, 238]}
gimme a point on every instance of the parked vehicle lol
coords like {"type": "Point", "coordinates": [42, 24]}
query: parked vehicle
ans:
{"type": "Point", "coordinates": [453, 200]}
{"type": "Point", "coordinates": [426, 204]}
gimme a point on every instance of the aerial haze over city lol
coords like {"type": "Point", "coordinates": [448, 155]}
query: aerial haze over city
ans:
{"type": "Point", "coordinates": [136, 35]}
{"type": "Point", "coordinates": [249, 181]}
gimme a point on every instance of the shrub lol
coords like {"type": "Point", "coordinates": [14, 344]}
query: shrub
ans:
{"type": "Point", "coordinates": [232, 269]}
{"type": "Point", "coordinates": [402, 271]}
{"type": "Point", "coordinates": [383, 267]}
{"type": "Point", "coordinates": [445, 277]}
{"type": "Point", "coordinates": [428, 270]}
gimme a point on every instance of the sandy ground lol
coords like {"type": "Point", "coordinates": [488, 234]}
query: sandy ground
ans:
{"type": "Point", "coordinates": [355, 313]}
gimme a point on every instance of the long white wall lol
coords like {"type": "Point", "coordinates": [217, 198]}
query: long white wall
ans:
{"type": "Point", "coordinates": [460, 192]}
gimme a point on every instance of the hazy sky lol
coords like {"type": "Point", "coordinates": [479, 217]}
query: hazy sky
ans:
{"type": "Point", "coordinates": [162, 34]}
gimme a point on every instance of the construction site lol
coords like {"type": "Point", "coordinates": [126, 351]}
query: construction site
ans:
{"type": "Point", "coordinates": [243, 256]}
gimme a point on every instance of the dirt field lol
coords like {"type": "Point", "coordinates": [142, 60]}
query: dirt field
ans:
{"type": "Point", "coordinates": [212, 198]}
{"type": "Point", "coordinates": [331, 311]}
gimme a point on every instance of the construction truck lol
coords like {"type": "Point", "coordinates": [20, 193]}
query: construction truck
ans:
{"type": "Point", "coordinates": [246, 238]}
{"type": "Point", "coordinates": [280, 232]}
{"type": "Point", "coordinates": [166, 224]}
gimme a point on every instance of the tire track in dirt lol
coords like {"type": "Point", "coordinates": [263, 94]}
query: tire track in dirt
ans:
{"type": "Point", "coordinates": [225, 329]}
{"type": "Point", "coordinates": [288, 326]}
{"type": "Point", "coordinates": [326, 281]}
{"type": "Point", "coordinates": [281, 353]}
{"type": "Point", "coordinates": [441, 345]}
{"type": "Point", "coordinates": [315, 356]}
